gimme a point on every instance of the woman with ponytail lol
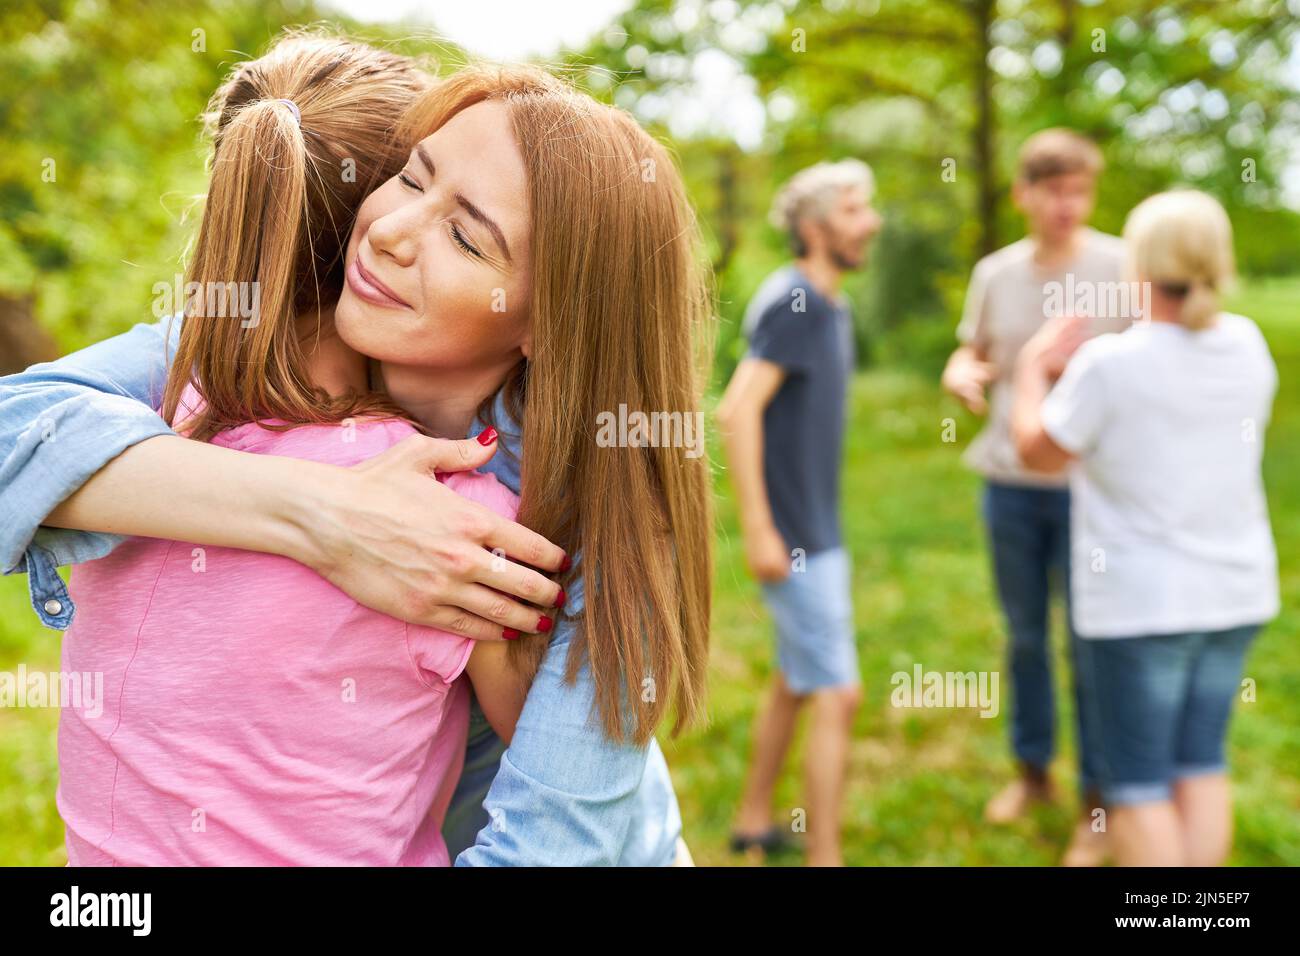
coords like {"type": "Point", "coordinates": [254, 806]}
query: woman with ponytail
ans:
{"type": "Point", "coordinates": [1174, 569]}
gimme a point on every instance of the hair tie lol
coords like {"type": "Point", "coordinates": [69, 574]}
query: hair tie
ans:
{"type": "Point", "coordinates": [293, 107]}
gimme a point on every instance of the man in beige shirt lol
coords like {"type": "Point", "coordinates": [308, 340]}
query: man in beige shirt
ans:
{"type": "Point", "coordinates": [1061, 267]}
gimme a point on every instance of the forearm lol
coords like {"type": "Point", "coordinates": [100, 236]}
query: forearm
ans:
{"type": "Point", "coordinates": [60, 422]}
{"type": "Point", "coordinates": [1030, 388]}
{"type": "Point", "coordinates": [171, 487]}
{"type": "Point", "coordinates": [497, 686]}
{"type": "Point", "coordinates": [1034, 446]}
{"type": "Point", "coordinates": [742, 437]}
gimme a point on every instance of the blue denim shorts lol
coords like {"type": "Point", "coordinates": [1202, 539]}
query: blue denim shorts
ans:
{"type": "Point", "coordinates": [1159, 707]}
{"type": "Point", "coordinates": [813, 611]}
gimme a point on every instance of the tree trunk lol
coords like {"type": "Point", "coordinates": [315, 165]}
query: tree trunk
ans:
{"type": "Point", "coordinates": [985, 155]}
{"type": "Point", "coordinates": [726, 222]}
{"type": "Point", "coordinates": [22, 340]}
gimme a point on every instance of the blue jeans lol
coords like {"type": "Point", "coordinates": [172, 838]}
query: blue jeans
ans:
{"type": "Point", "coordinates": [1029, 537]}
{"type": "Point", "coordinates": [1161, 707]}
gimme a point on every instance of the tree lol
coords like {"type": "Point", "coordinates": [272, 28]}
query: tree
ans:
{"type": "Point", "coordinates": [938, 94]}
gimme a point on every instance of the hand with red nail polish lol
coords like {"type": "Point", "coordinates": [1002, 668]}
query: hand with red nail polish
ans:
{"type": "Point", "coordinates": [398, 541]}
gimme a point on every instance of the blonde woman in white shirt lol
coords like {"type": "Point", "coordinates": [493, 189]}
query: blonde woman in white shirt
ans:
{"type": "Point", "coordinates": [1174, 568]}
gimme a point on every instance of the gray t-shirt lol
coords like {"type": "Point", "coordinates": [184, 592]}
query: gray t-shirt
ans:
{"type": "Point", "coordinates": [790, 324]}
{"type": "Point", "coordinates": [1009, 298]}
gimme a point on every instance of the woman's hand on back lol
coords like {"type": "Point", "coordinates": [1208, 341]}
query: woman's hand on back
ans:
{"type": "Point", "coordinates": [399, 541]}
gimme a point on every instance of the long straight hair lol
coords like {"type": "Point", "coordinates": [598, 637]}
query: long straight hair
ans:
{"type": "Point", "coordinates": [620, 314]}
{"type": "Point", "coordinates": [286, 182]}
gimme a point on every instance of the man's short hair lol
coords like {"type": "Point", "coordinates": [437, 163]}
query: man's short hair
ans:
{"type": "Point", "coordinates": [810, 194]}
{"type": "Point", "coordinates": [1057, 152]}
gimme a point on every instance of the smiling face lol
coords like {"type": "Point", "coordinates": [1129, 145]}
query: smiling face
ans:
{"type": "Point", "coordinates": [439, 262]}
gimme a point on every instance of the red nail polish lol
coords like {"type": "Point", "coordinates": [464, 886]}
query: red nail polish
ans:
{"type": "Point", "coordinates": [509, 633]}
{"type": "Point", "coordinates": [559, 601]}
{"type": "Point", "coordinates": [543, 624]}
{"type": "Point", "coordinates": [487, 436]}
{"type": "Point", "coordinates": [566, 563]}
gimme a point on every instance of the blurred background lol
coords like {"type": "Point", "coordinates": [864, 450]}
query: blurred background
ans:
{"type": "Point", "coordinates": [101, 158]}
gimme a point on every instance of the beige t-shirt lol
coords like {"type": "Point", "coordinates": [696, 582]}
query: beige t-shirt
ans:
{"type": "Point", "coordinates": [1009, 298]}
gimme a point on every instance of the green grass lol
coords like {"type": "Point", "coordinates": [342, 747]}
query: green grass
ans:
{"type": "Point", "coordinates": [922, 593]}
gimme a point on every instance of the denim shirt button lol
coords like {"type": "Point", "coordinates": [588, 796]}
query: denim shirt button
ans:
{"type": "Point", "coordinates": [53, 606]}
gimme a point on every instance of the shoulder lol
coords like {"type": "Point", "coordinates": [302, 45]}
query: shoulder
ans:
{"type": "Point", "coordinates": [775, 297]}
{"type": "Point", "coordinates": [1007, 258]}
{"type": "Point", "coordinates": [1250, 337]}
{"type": "Point", "coordinates": [1108, 349]}
{"type": "Point", "coordinates": [1111, 346]}
{"type": "Point", "coordinates": [1104, 243]}
{"type": "Point", "coordinates": [1241, 327]}
{"type": "Point", "coordinates": [1105, 251]}
{"type": "Point", "coordinates": [348, 442]}
{"type": "Point", "coordinates": [168, 329]}
{"type": "Point", "coordinates": [778, 285]}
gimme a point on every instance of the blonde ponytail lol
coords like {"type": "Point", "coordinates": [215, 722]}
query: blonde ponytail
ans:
{"type": "Point", "coordinates": [256, 206]}
{"type": "Point", "coordinates": [300, 137]}
{"type": "Point", "coordinates": [242, 272]}
{"type": "Point", "coordinates": [1200, 306]}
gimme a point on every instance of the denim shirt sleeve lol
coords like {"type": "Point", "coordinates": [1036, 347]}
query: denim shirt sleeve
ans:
{"type": "Point", "coordinates": [60, 422]}
{"type": "Point", "coordinates": [565, 794]}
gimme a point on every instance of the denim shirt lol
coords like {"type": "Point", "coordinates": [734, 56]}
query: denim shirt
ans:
{"type": "Point", "coordinates": [561, 794]}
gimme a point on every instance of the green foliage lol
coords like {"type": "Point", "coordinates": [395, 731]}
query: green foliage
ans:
{"type": "Point", "coordinates": [102, 156]}
{"type": "Point", "coordinates": [101, 150]}
{"type": "Point", "coordinates": [1176, 93]}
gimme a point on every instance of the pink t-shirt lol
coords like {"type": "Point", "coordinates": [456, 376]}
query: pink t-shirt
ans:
{"type": "Point", "coordinates": [253, 713]}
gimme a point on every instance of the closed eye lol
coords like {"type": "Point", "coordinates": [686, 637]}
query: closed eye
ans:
{"type": "Point", "coordinates": [457, 236]}
{"type": "Point", "coordinates": [459, 239]}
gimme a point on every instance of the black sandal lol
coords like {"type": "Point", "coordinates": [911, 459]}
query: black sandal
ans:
{"type": "Point", "coordinates": [772, 841]}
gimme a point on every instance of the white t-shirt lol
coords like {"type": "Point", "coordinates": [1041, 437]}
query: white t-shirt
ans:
{"type": "Point", "coordinates": [1169, 525]}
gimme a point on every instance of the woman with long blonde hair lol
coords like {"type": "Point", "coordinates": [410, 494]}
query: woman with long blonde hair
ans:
{"type": "Point", "coordinates": [1174, 570]}
{"type": "Point", "coordinates": [532, 266]}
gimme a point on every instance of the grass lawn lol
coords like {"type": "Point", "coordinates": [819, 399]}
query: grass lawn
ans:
{"type": "Point", "coordinates": [923, 594]}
